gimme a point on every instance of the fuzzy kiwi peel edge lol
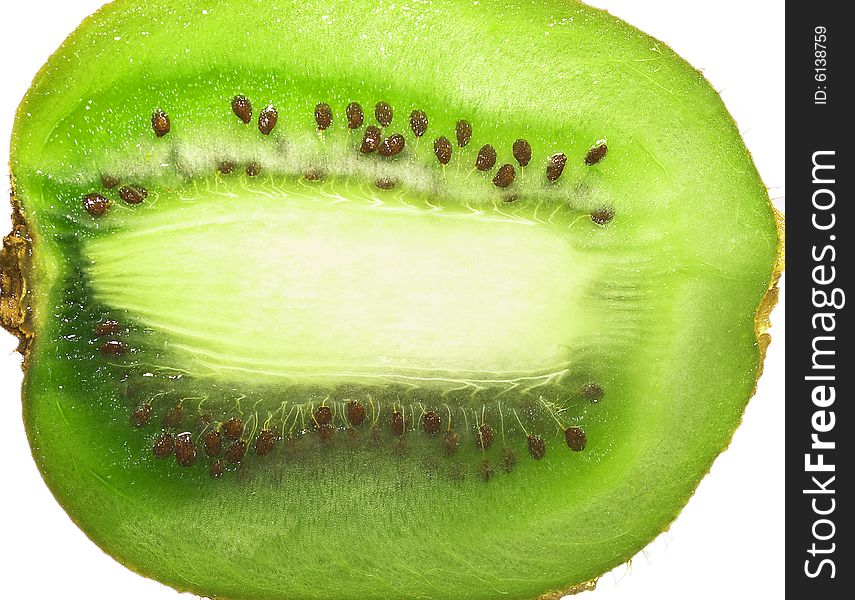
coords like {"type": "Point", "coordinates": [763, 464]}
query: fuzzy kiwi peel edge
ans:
{"type": "Point", "coordinates": [16, 308]}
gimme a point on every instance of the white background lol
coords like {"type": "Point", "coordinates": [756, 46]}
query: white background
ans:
{"type": "Point", "coordinates": [729, 541]}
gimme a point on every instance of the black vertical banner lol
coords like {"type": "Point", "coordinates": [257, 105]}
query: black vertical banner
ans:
{"type": "Point", "coordinates": [820, 362]}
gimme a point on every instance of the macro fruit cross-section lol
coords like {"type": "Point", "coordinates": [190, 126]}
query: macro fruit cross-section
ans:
{"type": "Point", "coordinates": [365, 301]}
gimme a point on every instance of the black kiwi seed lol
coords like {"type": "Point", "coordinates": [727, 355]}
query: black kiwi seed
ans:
{"type": "Point", "coordinates": [133, 195]}
{"type": "Point", "coordinates": [371, 139]}
{"type": "Point", "coordinates": [536, 446]}
{"type": "Point", "coordinates": [236, 452]}
{"type": "Point", "coordinates": [576, 438]}
{"type": "Point", "coordinates": [323, 115]}
{"type": "Point", "coordinates": [226, 168]}
{"type": "Point", "coordinates": [352, 438]}
{"type": "Point", "coordinates": [185, 450]}
{"type": "Point", "coordinates": [323, 415]}
{"type": "Point", "coordinates": [596, 154]}
{"type": "Point", "coordinates": [555, 166]}
{"type": "Point", "coordinates": [602, 216]}
{"type": "Point", "coordinates": [113, 348]}
{"type": "Point", "coordinates": [313, 174]}
{"type": "Point", "coordinates": [384, 183]}
{"type": "Point", "coordinates": [109, 182]}
{"type": "Point", "coordinates": [160, 123]}
{"type": "Point", "coordinates": [96, 205]}
{"type": "Point", "coordinates": [242, 107]}
{"type": "Point", "coordinates": [509, 460]}
{"type": "Point", "coordinates": [267, 120]}
{"type": "Point", "coordinates": [463, 130]}
{"type": "Point", "coordinates": [432, 422]}
{"type": "Point", "coordinates": [233, 428]}
{"type": "Point", "coordinates": [486, 158]}
{"type": "Point", "coordinates": [264, 442]}
{"type": "Point", "coordinates": [213, 442]}
{"type": "Point", "coordinates": [592, 392]}
{"type": "Point", "coordinates": [450, 443]}
{"type": "Point", "coordinates": [522, 152]}
{"type": "Point", "coordinates": [418, 122]}
{"type": "Point", "coordinates": [355, 413]}
{"type": "Point", "coordinates": [173, 417]}
{"type": "Point", "coordinates": [163, 446]}
{"type": "Point", "coordinates": [485, 437]}
{"type": "Point", "coordinates": [504, 176]}
{"type": "Point", "coordinates": [326, 433]}
{"type": "Point", "coordinates": [218, 467]}
{"type": "Point", "coordinates": [107, 327]}
{"type": "Point", "coordinates": [355, 116]}
{"type": "Point", "coordinates": [383, 113]}
{"type": "Point", "coordinates": [392, 145]}
{"type": "Point", "coordinates": [398, 423]}
{"type": "Point", "coordinates": [141, 416]}
{"type": "Point", "coordinates": [442, 150]}
{"type": "Point", "coordinates": [253, 169]}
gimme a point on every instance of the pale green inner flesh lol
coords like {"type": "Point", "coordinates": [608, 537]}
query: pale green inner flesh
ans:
{"type": "Point", "coordinates": [323, 287]}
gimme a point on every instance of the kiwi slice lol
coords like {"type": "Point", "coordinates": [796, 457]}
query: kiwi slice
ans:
{"type": "Point", "coordinates": [349, 301]}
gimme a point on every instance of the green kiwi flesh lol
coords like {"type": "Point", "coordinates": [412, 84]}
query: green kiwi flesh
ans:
{"type": "Point", "coordinates": [479, 337]}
